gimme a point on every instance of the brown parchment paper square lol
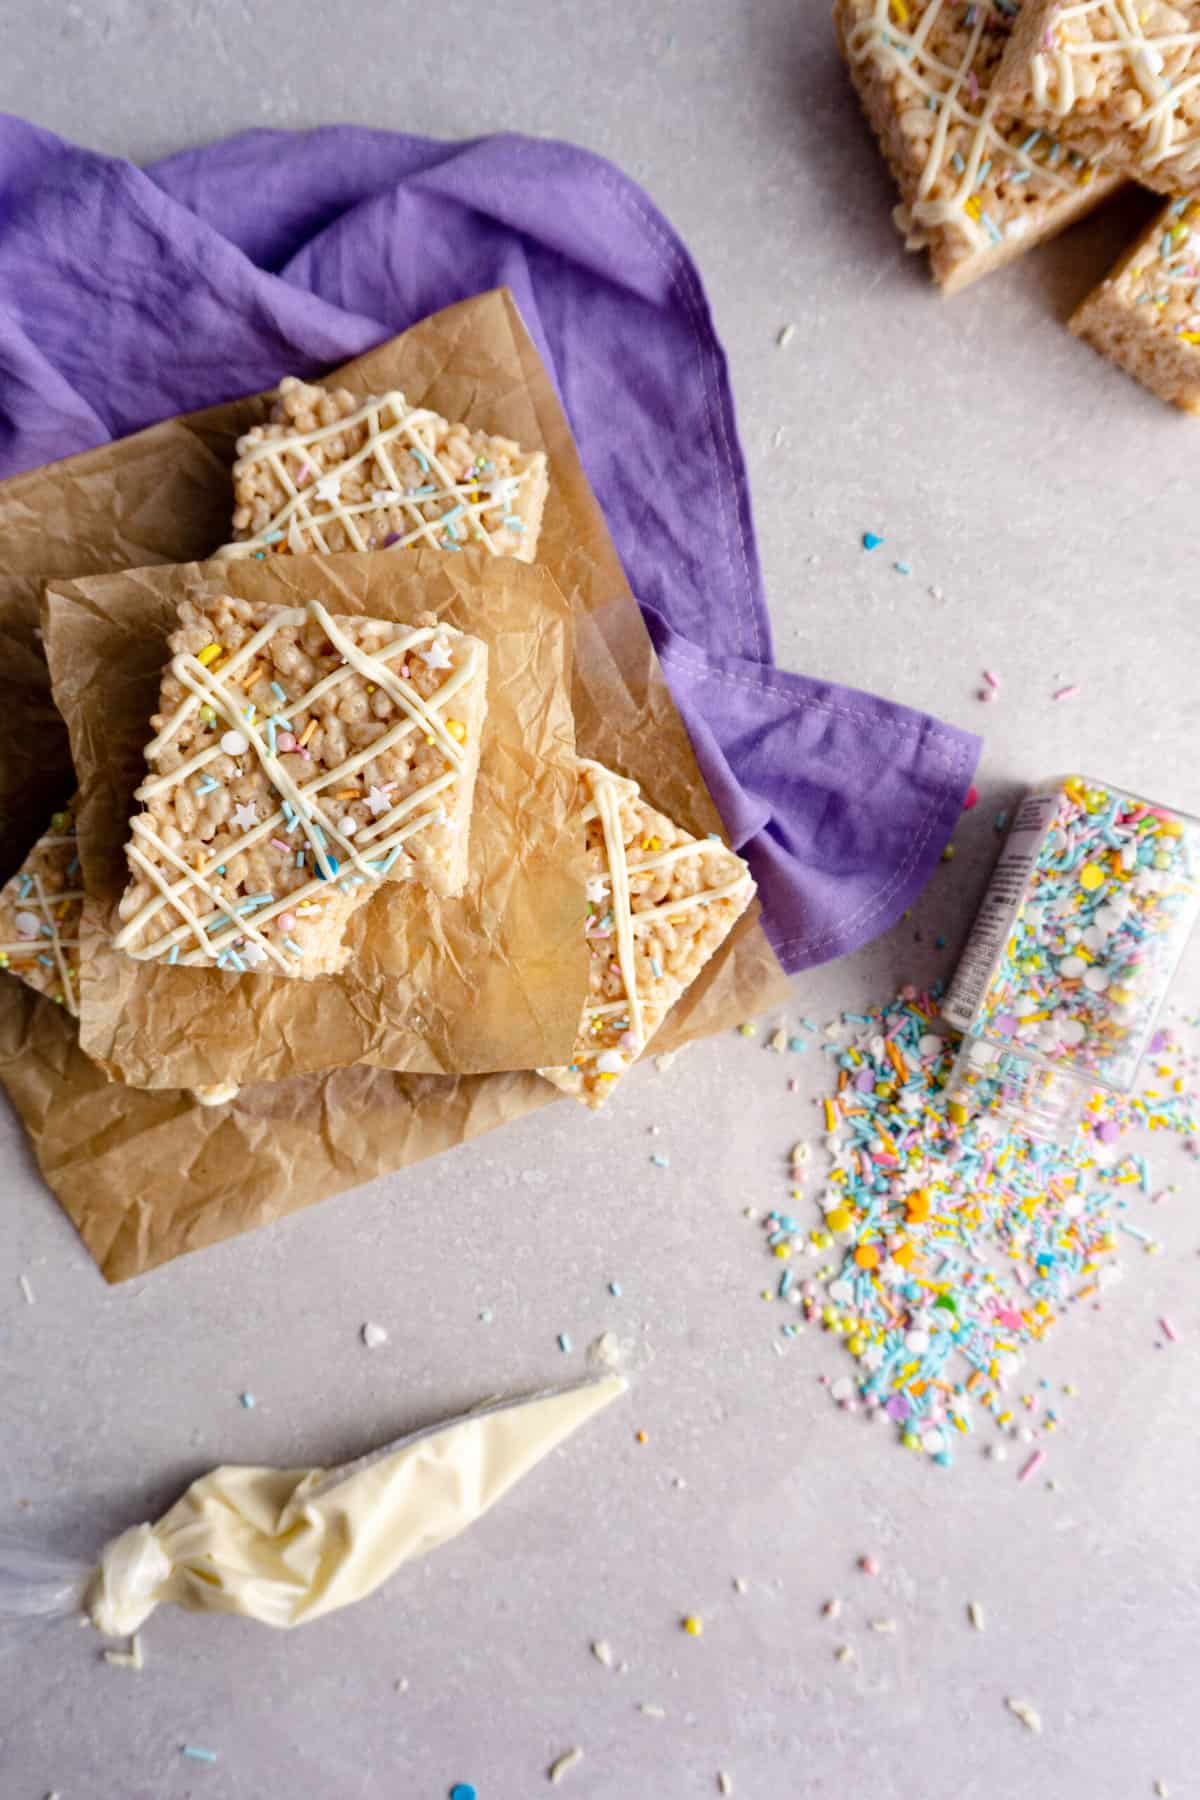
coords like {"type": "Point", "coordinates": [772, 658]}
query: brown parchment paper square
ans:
{"type": "Point", "coordinates": [148, 1176]}
{"type": "Point", "coordinates": [464, 986]}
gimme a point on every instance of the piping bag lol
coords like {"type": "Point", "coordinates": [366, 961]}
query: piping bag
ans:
{"type": "Point", "coordinates": [286, 1545]}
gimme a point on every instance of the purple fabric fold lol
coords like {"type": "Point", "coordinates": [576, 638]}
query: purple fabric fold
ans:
{"type": "Point", "coordinates": [127, 295]}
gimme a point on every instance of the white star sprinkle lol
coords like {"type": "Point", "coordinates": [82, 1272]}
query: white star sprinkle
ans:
{"type": "Point", "coordinates": [329, 489]}
{"type": "Point", "coordinates": [597, 890]}
{"type": "Point", "coordinates": [378, 802]}
{"type": "Point", "coordinates": [252, 954]}
{"type": "Point", "coordinates": [245, 817]}
{"type": "Point", "coordinates": [437, 656]}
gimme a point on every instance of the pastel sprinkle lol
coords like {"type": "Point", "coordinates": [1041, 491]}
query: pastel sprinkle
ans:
{"type": "Point", "coordinates": [871, 540]}
{"type": "Point", "coordinates": [1169, 1331]}
{"type": "Point", "coordinates": [195, 1754]}
{"type": "Point", "coordinates": [1032, 1466]}
{"type": "Point", "coordinates": [563, 1765]}
{"type": "Point", "coordinates": [248, 1401]}
{"type": "Point", "coordinates": [1067, 693]}
{"type": "Point", "coordinates": [564, 1343]}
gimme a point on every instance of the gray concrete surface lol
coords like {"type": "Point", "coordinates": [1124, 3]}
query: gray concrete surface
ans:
{"type": "Point", "coordinates": [1053, 504]}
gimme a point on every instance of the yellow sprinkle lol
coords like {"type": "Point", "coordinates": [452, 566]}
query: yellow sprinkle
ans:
{"type": "Point", "coordinates": [830, 1116]}
{"type": "Point", "coordinates": [457, 730]}
{"type": "Point", "coordinates": [783, 1251]}
{"type": "Point", "coordinates": [974, 207]}
{"type": "Point", "coordinates": [693, 1626]}
{"type": "Point", "coordinates": [746, 1030]}
{"type": "Point", "coordinates": [209, 654]}
{"type": "Point", "coordinates": [901, 12]}
{"type": "Point", "coordinates": [307, 733]}
{"type": "Point", "coordinates": [642, 1437]}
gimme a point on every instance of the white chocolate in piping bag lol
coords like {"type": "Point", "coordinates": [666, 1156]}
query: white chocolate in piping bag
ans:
{"type": "Point", "coordinates": [285, 1545]}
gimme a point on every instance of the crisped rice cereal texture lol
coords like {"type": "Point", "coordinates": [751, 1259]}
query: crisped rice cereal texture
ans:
{"type": "Point", "coordinates": [40, 909]}
{"type": "Point", "coordinates": [209, 796]}
{"type": "Point", "coordinates": [1145, 316]}
{"type": "Point", "coordinates": [674, 935]}
{"type": "Point", "coordinates": [302, 482]}
{"type": "Point", "coordinates": [1113, 78]}
{"type": "Point", "coordinates": [977, 186]}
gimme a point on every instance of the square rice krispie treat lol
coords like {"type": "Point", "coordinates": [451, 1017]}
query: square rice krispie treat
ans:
{"type": "Point", "coordinates": [659, 903]}
{"type": "Point", "coordinates": [1146, 315]}
{"type": "Point", "coordinates": [978, 186]}
{"type": "Point", "coordinates": [300, 759]}
{"type": "Point", "coordinates": [1114, 78]}
{"type": "Point", "coordinates": [330, 472]}
{"type": "Point", "coordinates": [40, 910]}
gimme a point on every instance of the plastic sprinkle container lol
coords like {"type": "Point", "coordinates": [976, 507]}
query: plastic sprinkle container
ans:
{"type": "Point", "coordinates": [1075, 946]}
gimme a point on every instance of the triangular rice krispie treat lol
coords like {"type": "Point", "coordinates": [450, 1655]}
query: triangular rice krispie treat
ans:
{"type": "Point", "coordinates": [1114, 78]}
{"type": "Point", "coordinates": [977, 185]}
{"type": "Point", "coordinates": [1145, 315]}
{"type": "Point", "coordinates": [40, 910]}
{"type": "Point", "coordinates": [300, 759]}
{"type": "Point", "coordinates": [330, 472]}
{"type": "Point", "coordinates": [660, 902]}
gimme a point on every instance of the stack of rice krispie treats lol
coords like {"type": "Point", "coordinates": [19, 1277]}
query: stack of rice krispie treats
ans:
{"type": "Point", "coordinates": [1004, 121]}
{"type": "Point", "coordinates": [298, 758]}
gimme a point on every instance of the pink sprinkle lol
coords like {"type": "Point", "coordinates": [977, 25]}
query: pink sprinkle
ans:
{"type": "Point", "coordinates": [973, 85]}
{"type": "Point", "coordinates": [1066, 693]}
{"type": "Point", "coordinates": [1033, 1465]}
{"type": "Point", "coordinates": [972, 798]}
{"type": "Point", "coordinates": [286, 921]}
{"type": "Point", "coordinates": [279, 844]}
{"type": "Point", "coordinates": [1169, 1331]}
{"type": "Point", "coordinates": [793, 1087]}
{"type": "Point", "coordinates": [286, 741]}
{"type": "Point", "coordinates": [986, 694]}
{"type": "Point", "coordinates": [992, 679]}
{"type": "Point", "coordinates": [869, 1565]}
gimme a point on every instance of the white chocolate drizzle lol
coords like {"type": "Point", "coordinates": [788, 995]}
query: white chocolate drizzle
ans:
{"type": "Point", "coordinates": [1056, 87]}
{"type": "Point", "coordinates": [959, 99]}
{"type": "Point", "coordinates": [369, 851]}
{"type": "Point", "coordinates": [49, 940]}
{"type": "Point", "coordinates": [608, 791]}
{"type": "Point", "coordinates": [390, 420]}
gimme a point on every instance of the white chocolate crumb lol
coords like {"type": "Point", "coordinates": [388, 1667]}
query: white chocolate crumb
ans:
{"type": "Point", "coordinates": [602, 1651]}
{"type": "Point", "coordinates": [777, 440]}
{"type": "Point", "coordinates": [778, 1041]}
{"type": "Point", "coordinates": [975, 1614]}
{"type": "Point", "coordinates": [739, 1585]}
{"type": "Point", "coordinates": [844, 1653]}
{"type": "Point", "coordinates": [563, 1765]}
{"type": "Point", "coordinates": [651, 1711]}
{"type": "Point", "coordinates": [127, 1659]}
{"type": "Point", "coordinates": [724, 1782]}
{"type": "Point", "coordinates": [1028, 1714]}
{"type": "Point", "coordinates": [785, 336]}
{"type": "Point", "coordinates": [402, 1685]}
{"type": "Point", "coordinates": [604, 1352]}
{"type": "Point", "coordinates": [664, 1059]}
{"type": "Point", "coordinates": [832, 1609]}
{"type": "Point", "coordinates": [1162, 1790]}
{"type": "Point", "coordinates": [26, 1289]}
{"type": "Point", "coordinates": [883, 1625]}
{"type": "Point", "coordinates": [373, 1335]}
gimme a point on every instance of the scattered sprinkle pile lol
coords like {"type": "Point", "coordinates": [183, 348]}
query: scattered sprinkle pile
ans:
{"type": "Point", "coordinates": [946, 1251]}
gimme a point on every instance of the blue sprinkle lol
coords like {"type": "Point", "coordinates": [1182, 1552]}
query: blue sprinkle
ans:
{"type": "Point", "coordinates": [1030, 141]}
{"type": "Point", "coordinates": [797, 1043]}
{"type": "Point", "coordinates": [293, 946]}
{"type": "Point", "coordinates": [564, 1343]}
{"type": "Point", "coordinates": [993, 230]}
{"type": "Point", "coordinates": [902, 568]}
{"type": "Point", "coordinates": [420, 460]}
{"type": "Point", "coordinates": [299, 859]}
{"type": "Point", "coordinates": [871, 540]}
{"type": "Point", "coordinates": [660, 1161]}
{"type": "Point", "coordinates": [330, 869]}
{"type": "Point", "coordinates": [48, 931]}
{"type": "Point", "coordinates": [454, 513]}
{"type": "Point", "coordinates": [514, 521]}
{"type": "Point", "coordinates": [197, 1754]}
{"type": "Point", "coordinates": [26, 885]}
{"type": "Point", "coordinates": [279, 693]}
{"type": "Point", "coordinates": [614, 1288]}
{"type": "Point", "coordinates": [462, 1790]}
{"type": "Point", "coordinates": [785, 1282]}
{"type": "Point", "coordinates": [48, 960]}
{"type": "Point", "coordinates": [248, 1402]}
{"type": "Point", "coordinates": [174, 956]}
{"type": "Point", "coordinates": [656, 968]}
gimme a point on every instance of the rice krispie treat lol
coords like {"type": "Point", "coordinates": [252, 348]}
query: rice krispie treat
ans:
{"type": "Point", "coordinates": [977, 185]}
{"type": "Point", "coordinates": [660, 902]}
{"type": "Point", "coordinates": [330, 472]}
{"type": "Point", "coordinates": [300, 759]}
{"type": "Point", "coordinates": [1115, 78]}
{"type": "Point", "coordinates": [1146, 315]}
{"type": "Point", "coordinates": [40, 910]}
